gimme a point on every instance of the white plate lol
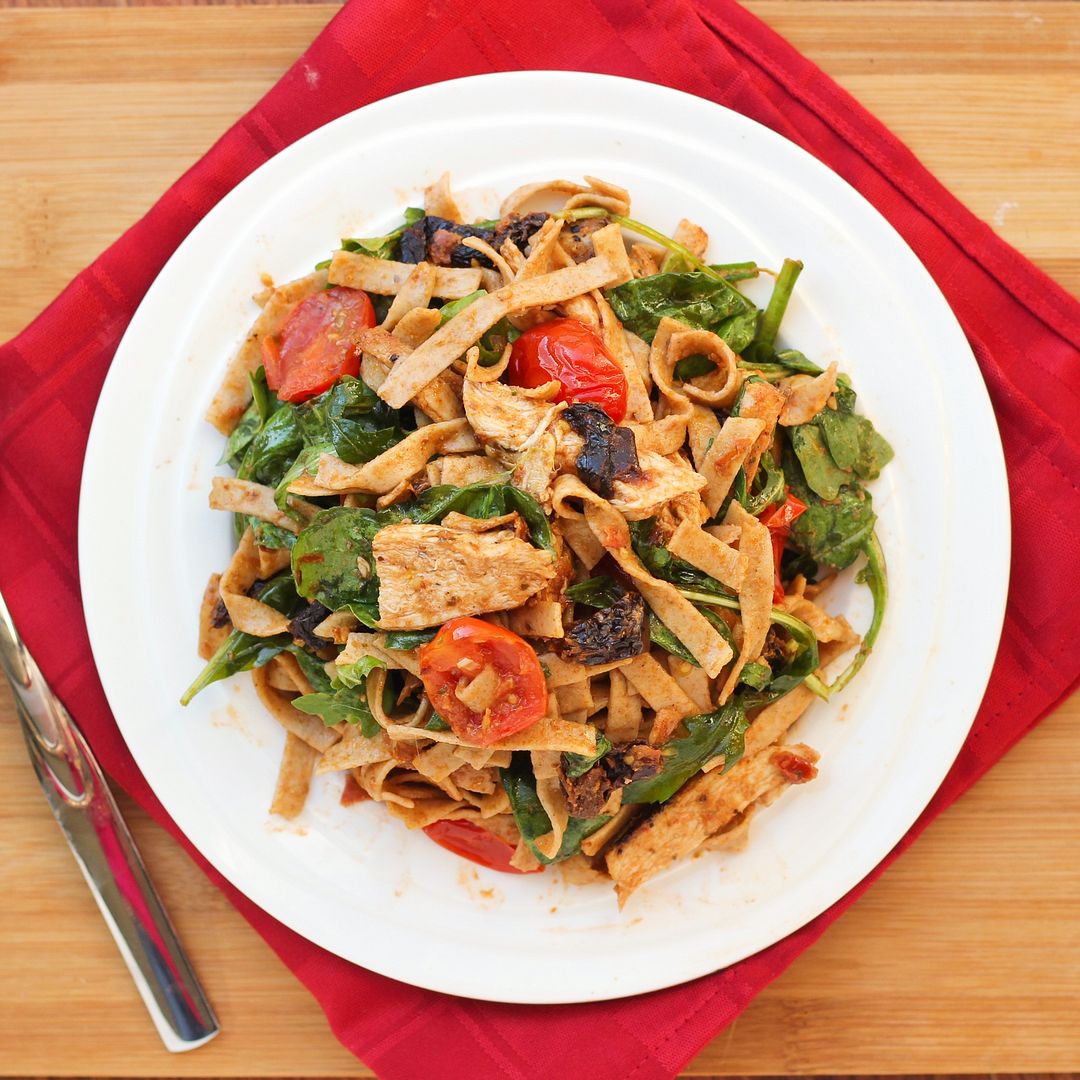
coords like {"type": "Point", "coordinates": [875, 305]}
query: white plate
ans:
{"type": "Point", "coordinates": [354, 880]}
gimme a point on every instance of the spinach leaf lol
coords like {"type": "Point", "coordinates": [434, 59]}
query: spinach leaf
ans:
{"type": "Point", "coordinates": [262, 397]}
{"type": "Point", "coordinates": [355, 674]}
{"type": "Point", "coordinates": [708, 736]}
{"type": "Point", "coordinates": [662, 564]}
{"type": "Point", "coordinates": [241, 436]}
{"type": "Point", "coordinates": [756, 675]}
{"type": "Point", "coordinates": [696, 299]}
{"type": "Point", "coordinates": [823, 476]}
{"type": "Point", "coordinates": [531, 817]}
{"type": "Point", "coordinates": [242, 652]}
{"type": "Point", "coordinates": [482, 500]}
{"type": "Point", "coordinates": [598, 592]}
{"type": "Point", "coordinates": [436, 723]}
{"type": "Point", "coordinates": [273, 448]}
{"type": "Point", "coordinates": [575, 765]}
{"type": "Point", "coordinates": [238, 652]}
{"type": "Point", "coordinates": [874, 576]}
{"type": "Point", "coordinates": [690, 367]}
{"type": "Point", "coordinates": [324, 559]}
{"type": "Point", "coordinates": [312, 667]}
{"type": "Point", "coordinates": [383, 247]}
{"type": "Point", "coordinates": [831, 531]}
{"type": "Point", "coordinates": [270, 536]}
{"type": "Point", "coordinates": [352, 420]}
{"type": "Point", "coordinates": [454, 307]}
{"type": "Point", "coordinates": [853, 443]}
{"type": "Point", "coordinates": [405, 640]}
{"type": "Point", "coordinates": [348, 706]}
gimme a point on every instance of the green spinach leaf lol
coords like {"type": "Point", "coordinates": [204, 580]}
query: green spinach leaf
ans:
{"type": "Point", "coordinates": [695, 299]}
{"type": "Point", "coordinates": [348, 706]}
{"type": "Point", "coordinates": [406, 640]}
{"type": "Point", "coordinates": [242, 652]}
{"type": "Point", "coordinates": [575, 765]}
{"type": "Point", "coordinates": [708, 736]}
{"type": "Point", "coordinates": [531, 817]}
{"type": "Point", "coordinates": [831, 531]}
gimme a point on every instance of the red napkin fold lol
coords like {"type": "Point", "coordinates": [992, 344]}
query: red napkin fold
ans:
{"type": "Point", "coordinates": [1025, 331]}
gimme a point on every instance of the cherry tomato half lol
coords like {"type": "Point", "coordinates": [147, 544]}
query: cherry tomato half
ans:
{"type": "Point", "coordinates": [458, 653]}
{"type": "Point", "coordinates": [472, 841]}
{"type": "Point", "coordinates": [778, 520]}
{"type": "Point", "coordinates": [574, 354]}
{"type": "Point", "coordinates": [317, 344]}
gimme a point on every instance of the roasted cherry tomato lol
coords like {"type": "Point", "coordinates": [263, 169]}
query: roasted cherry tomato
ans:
{"type": "Point", "coordinates": [574, 355]}
{"type": "Point", "coordinates": [472, 841]}
{"type": "Point", "coordinates": [509, 680]}
{"type": "Point", "coordinates": [778, 520]}
{"type": "Point", "coordinates": [317, 344]}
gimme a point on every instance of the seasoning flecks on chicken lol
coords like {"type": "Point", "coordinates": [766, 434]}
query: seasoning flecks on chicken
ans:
{"type": "Point", "coordinates": [429, 574]}
{"type": "Point", "coordinates": [661, 480]}
{"type": "Point", "coordinates": [508, 416]}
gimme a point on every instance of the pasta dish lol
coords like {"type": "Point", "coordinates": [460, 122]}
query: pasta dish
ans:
{"type": "Point", "coordinates": [534, 519]}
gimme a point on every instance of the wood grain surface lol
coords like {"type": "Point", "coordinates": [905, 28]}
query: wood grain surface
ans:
{"type": "Point", "coordinates": [965, 958]}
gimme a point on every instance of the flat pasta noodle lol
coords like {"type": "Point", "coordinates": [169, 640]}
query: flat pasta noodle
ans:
{"type": "Point", "coordinates": [309, 728]}
{"type": "Point", "coordinates": [399, 463]}
{"type": "Point", "coordinates": [440, 201]}
{"type": "Point", "coordinates": [416, 292]}
{"type": "Point", "coordinates": [211, 636]}
{"type": "Point", "coordinates": [624, 711]}
{"type": "Point", "coordinates": [674, 611]}
{"type": "Point", "coordinates": [451, 340]}
{"type": "Point", "coordinates": [755, 591]}
{"type": "Point", "coordinates": [661, 692]}
{"type": "Point", "coordinates": [257, 500]}
{"type": "Point", "coordinates": [546, 734]}
{"type": "Point", "coordinates": [760, 401]}
{"type": "Point", "coordinates": [294, 777]}
{"type": "Point", "coordinates": [354, 750]}
{"type": "Point", "coordinates": [385, 277]}
{"type": "Point", "coordinates": [699, 809]}
{"type": "Point", "coordinates": [441, 398]}
{"type": "Point", "coordinates": [246, 613]}
{"type": "Point", "coordinates": [725, 457]}
{"type": "Point", "coordinates": [692, 544]}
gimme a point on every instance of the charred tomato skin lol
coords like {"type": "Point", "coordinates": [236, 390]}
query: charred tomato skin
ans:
{"type": "Point", "coordinates": [466, 643]}
{"type": "Point", "coordinates": [317, 344]}
{"type": "Point", "coordinates": [575, 356]}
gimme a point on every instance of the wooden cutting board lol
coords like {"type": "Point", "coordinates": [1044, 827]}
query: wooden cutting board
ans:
{"type": "Point", "coordinates": [965, 957]}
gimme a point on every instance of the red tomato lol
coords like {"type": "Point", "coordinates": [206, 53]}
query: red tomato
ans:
{"type": "Point", "coordinates": [472, 841]}
{"type": "Point", "coordinates": [317, 344]}
{"type": "Point", "coordinates": [778, 520]}
{"type": "Point", "coordinates": [575, 355]}
{"type": "Point", "coordinates": [458, 653]}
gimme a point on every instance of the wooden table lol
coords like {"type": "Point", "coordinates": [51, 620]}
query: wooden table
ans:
{"type": "Point", "coordinates": [964, 958]}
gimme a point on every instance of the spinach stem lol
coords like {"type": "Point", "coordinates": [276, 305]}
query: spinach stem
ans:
{"type": "Point", "coordinates": [765, 342]}
{"type": "Point", "coordinates": [816, 686]}
{"type": "Point", "coordinates": [874, 575]}
{"type": "Point", "coordinates": [585, 212]}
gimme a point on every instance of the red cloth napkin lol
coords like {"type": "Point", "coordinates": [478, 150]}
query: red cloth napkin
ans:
{"type": "Point", "coordinates": [1025, 331]}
